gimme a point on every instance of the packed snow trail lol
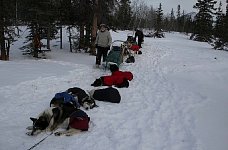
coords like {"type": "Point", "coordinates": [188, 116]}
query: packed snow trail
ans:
{"type": "Point", "coordinates": [155, 112]}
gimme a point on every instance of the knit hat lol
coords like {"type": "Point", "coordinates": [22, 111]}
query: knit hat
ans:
{"type": "Point", "coordinates": [103, 25]}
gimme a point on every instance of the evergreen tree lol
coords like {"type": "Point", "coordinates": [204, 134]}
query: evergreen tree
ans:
{"type": "Point", "coordinates": [166, 24]}
{"type": "Point", "coordinates": [85, 19]}
{"type": "Point", "coordinates": [159, 17]}
{"type": "Point", "coordinates": [226, 25]}
{"type": "Point", "coordinates": [152, 16]}
{"type": "Point", "coordinates": [182, 22]}
{"type": "Point", "coordinates": [158, 26]}
{"type": "Point", "coordinates": [189, 24]}
{"type": "Point", "coordinates": [123, 14]}
{"type": "Point", "coordinates": [106, 11]}
{"type": "Point", "coordinates": [41, 16]}
{"type": "Point", "coordinates": [172, 21]}
{"type": "Point", "coordinates": [219, 28]}
{"type": "Point", "coordinates": [178, 19]}
{"type": "Point", "coordinates": [204, 20]}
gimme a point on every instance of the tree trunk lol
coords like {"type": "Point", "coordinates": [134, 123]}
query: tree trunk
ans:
{"type": "Point", "coordinates": [94, 29]}
{"type": "Point", "coordinates": [2, 40]}
{"type": "Point", "coordinates": [48, 36]}
{"type": "Point", "coordinates": [70, 35]}
{"type": "Point", "coordinates": [88, 36]}
{"type": "Point", "coordinates": [2, 37]}
{"type": "Point", "coordinates": [7, 49]}
{"type": "Point", "coordinates": [82, 37]}
{"type": "Point", "coordinates": [61, 37]}
{"type": "Point", "coordinates": [36, 41]}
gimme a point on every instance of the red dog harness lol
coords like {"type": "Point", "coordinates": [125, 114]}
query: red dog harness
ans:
{"type": "Point", "coordinates": [135, 48]}
{"type": "Point", "coordinates": [79, 120]}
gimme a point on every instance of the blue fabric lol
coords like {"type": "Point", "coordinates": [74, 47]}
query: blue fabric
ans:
{"type": "Point", "coordinates": [68, 98]}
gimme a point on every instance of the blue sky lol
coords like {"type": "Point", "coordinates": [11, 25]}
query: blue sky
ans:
{"type": "Point", "coordinates": [167, 5]}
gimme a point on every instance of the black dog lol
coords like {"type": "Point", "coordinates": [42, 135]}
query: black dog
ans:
{"type": "Point", "coordinates": [83, 98]}
{"type": "Point", "coordinates": [107, 95]}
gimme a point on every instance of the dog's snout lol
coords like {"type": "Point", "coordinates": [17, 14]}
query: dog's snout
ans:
{"type": "Point", "coordinates": [86, 105]}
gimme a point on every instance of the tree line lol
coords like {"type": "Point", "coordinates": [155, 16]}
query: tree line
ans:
{"type": "Point", "coordinates": [46, 18]}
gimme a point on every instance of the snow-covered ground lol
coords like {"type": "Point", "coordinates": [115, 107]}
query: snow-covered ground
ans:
{"type": "Point", "coordinates": [177, 100]}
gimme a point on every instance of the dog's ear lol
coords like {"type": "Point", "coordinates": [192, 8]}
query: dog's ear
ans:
{"type": "Point", "coordinates": [33, 119]}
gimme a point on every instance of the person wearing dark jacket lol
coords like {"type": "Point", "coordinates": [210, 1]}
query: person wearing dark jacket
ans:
{"type": "Point", "coordinates": [103, 43]}
{"type": "Point", "coordinates": [140, 35]}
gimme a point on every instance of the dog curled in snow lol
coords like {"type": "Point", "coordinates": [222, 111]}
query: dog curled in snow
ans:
{"type": "Point", "coordinates": [118, 78]}
{"type": "Point", "coordinates": [109, 94]}
{"type": "Point", "coordinates": [54, 117]}
{"type": "Point", "coordinates": [83, 98]}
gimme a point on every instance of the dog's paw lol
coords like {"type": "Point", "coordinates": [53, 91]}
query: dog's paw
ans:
{"type": "Point", "coordinates": [58, 133]}
{"type": "Point", "coordinates": [29, 133]}
{"type": "Point", "coordinates": [68, 134]}
{"type": "Point", "coordinates": [29, 128]}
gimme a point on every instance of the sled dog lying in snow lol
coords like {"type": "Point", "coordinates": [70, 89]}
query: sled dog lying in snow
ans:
{"type": "Point", "coordinates": [83, 99]}
{"type": "Point", "coordinates": [109, 94]}
{"type": "Point", "coordinates": [75, 121]}
{"type": "Point", "coordinates": [118, 78]}
{"type": "Point", "coordinates": [76, 96]}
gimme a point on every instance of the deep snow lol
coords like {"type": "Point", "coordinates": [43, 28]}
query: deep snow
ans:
{"type": "Point", "coordinates": [177, 100]}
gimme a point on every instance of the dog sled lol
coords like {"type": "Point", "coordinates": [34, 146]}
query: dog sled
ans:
{"type": "Point", "coordinates": [119, 49]}
{"type": "Point", "coordinates": [116, 54]}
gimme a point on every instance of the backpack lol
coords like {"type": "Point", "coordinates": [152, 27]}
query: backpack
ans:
{"type": "Point", "coordinates": [79, 120]}
{"type": "Point", "coordinates": [63, 98]}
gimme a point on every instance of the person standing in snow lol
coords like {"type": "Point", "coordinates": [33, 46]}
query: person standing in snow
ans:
{"type": "Point", "coordinates": [103, 43]}
{"type": "Point", "coordinates": [140, 35]}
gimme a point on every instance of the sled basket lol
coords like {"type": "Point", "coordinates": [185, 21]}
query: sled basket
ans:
{"type": "Point", "coordinates": [115, 55]}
